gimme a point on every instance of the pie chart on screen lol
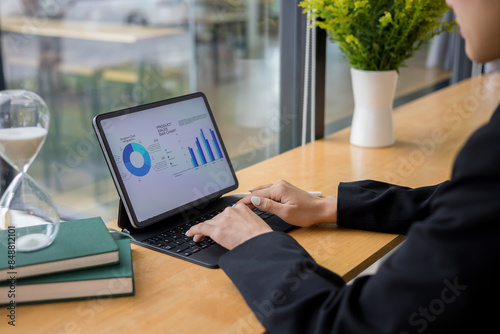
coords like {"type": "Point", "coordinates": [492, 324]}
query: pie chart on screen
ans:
{"type": "Point", "coordinates": [132, 159]}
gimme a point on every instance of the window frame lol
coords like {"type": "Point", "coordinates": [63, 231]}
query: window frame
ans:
{"type": "Point", "coordinates": [292, 34]}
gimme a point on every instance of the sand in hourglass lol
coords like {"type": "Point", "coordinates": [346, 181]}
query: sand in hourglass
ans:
{"type": "Point", "coordinates": [20, 145]}
{"type": "Point", "coordinates": [29, 242]}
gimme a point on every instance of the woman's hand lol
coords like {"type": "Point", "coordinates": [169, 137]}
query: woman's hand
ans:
{"type": "Point", "coordinates": [230, 228]}
{"type": "Point", "coordinates": [238, 224]}
{"type": "Point", "coordinates": [293, 205]}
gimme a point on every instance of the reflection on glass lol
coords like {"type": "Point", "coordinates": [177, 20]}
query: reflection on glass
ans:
{"type": "Point", "coordinates": [85, 57]}
{"type": "Point", "coordinates": [418, 74]}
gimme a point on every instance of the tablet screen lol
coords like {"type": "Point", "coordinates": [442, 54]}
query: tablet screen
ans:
{"type": "Point", "coordinates": [166, 156]}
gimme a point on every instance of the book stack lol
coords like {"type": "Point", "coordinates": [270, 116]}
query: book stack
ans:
{"type": "Point", "coordinates": [85, 260]}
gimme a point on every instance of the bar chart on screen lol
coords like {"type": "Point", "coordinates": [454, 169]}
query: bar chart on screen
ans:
{"type": "Point", "coordinates": [206, 151]}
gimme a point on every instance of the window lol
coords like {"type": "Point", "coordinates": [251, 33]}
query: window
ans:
{"type": "Point", "coordinates": [86, 57]}
{"type": "Point", "coordinates": [420, 76]}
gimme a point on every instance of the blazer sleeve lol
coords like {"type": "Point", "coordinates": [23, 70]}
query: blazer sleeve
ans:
{"type": "Point", "coordinates": [382, 207]}
{"type": "Point", "coordinates": [442, 279]}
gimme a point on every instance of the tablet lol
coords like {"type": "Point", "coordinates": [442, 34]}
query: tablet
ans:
{"type": "Point", "coordinates": [165, 157]}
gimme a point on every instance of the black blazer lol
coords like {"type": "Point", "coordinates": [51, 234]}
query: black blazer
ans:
{"type": "Point", "coordinates": [443, 279]}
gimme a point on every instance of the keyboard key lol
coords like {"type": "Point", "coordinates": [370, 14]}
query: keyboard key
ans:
{"type": "Point", "coordinates": [175, 239]}
{"type": "Point", "coordinates": [170, 246]}
{"type": "Point", "coordinates": [180, 248]}
{"type": "Point", "coordinates": [195, 249]}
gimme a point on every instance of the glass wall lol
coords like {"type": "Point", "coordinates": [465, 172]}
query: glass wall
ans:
{"type": "Point", "coordinates": [86, 57]}
{"type": "Point", "coordinates": [421, 72]}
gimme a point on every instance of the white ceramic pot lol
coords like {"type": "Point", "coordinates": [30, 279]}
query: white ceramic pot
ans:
{"type": "Point", "coordinates": [373, 99]}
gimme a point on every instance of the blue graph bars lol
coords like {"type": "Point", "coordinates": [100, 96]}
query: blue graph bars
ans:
{"type": "Point", "coordinates": [200, 152]}
{"type": "Point", "coordinates": [208, 149]}
{"type": "Point", "coordinates": [193, 158]}
{"type": "Point", "coordinates": [207, 146]}
{"type": "Point", "coordinates": [216, 144]}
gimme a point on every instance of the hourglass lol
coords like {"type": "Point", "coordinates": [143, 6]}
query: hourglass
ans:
{"type": "Point", "coordinates": [24, 207]}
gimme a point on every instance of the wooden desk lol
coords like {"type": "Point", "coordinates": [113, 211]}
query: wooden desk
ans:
{"type": "Point", "coordinates": [173, 296]}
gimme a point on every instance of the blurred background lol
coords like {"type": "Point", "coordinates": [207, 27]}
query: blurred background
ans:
{"type": "Point", "coordinates": [86, 57]}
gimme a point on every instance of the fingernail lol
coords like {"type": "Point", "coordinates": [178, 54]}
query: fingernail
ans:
{"type": "Point", "coordinates": [255, 200]}
{"type": "Point", "coordinates": [186, 233]}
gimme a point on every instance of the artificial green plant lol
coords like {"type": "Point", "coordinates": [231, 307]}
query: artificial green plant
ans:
{"type": "Point", "coordinates": [379, 35]}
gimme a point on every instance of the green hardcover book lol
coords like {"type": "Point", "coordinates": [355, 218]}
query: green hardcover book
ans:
{"type": "Point", "coordinates": [79, 244]}
{"type": "Point", "coordinates": [104, 281]}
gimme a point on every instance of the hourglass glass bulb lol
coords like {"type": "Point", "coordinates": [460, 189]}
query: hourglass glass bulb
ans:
{"type": "Point", "coordinates": [24, 123]}
{"type": "Point", "coordinates": [24, 206]}
{"type": "Point", "coordinates": [19, 146]}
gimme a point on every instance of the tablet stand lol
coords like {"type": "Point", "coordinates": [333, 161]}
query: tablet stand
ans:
{"type": "Point", "coordinates": [123, 220]}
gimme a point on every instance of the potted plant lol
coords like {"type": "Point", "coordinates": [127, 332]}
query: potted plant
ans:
{"type": "Point", "coordinates": [376, 37]}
